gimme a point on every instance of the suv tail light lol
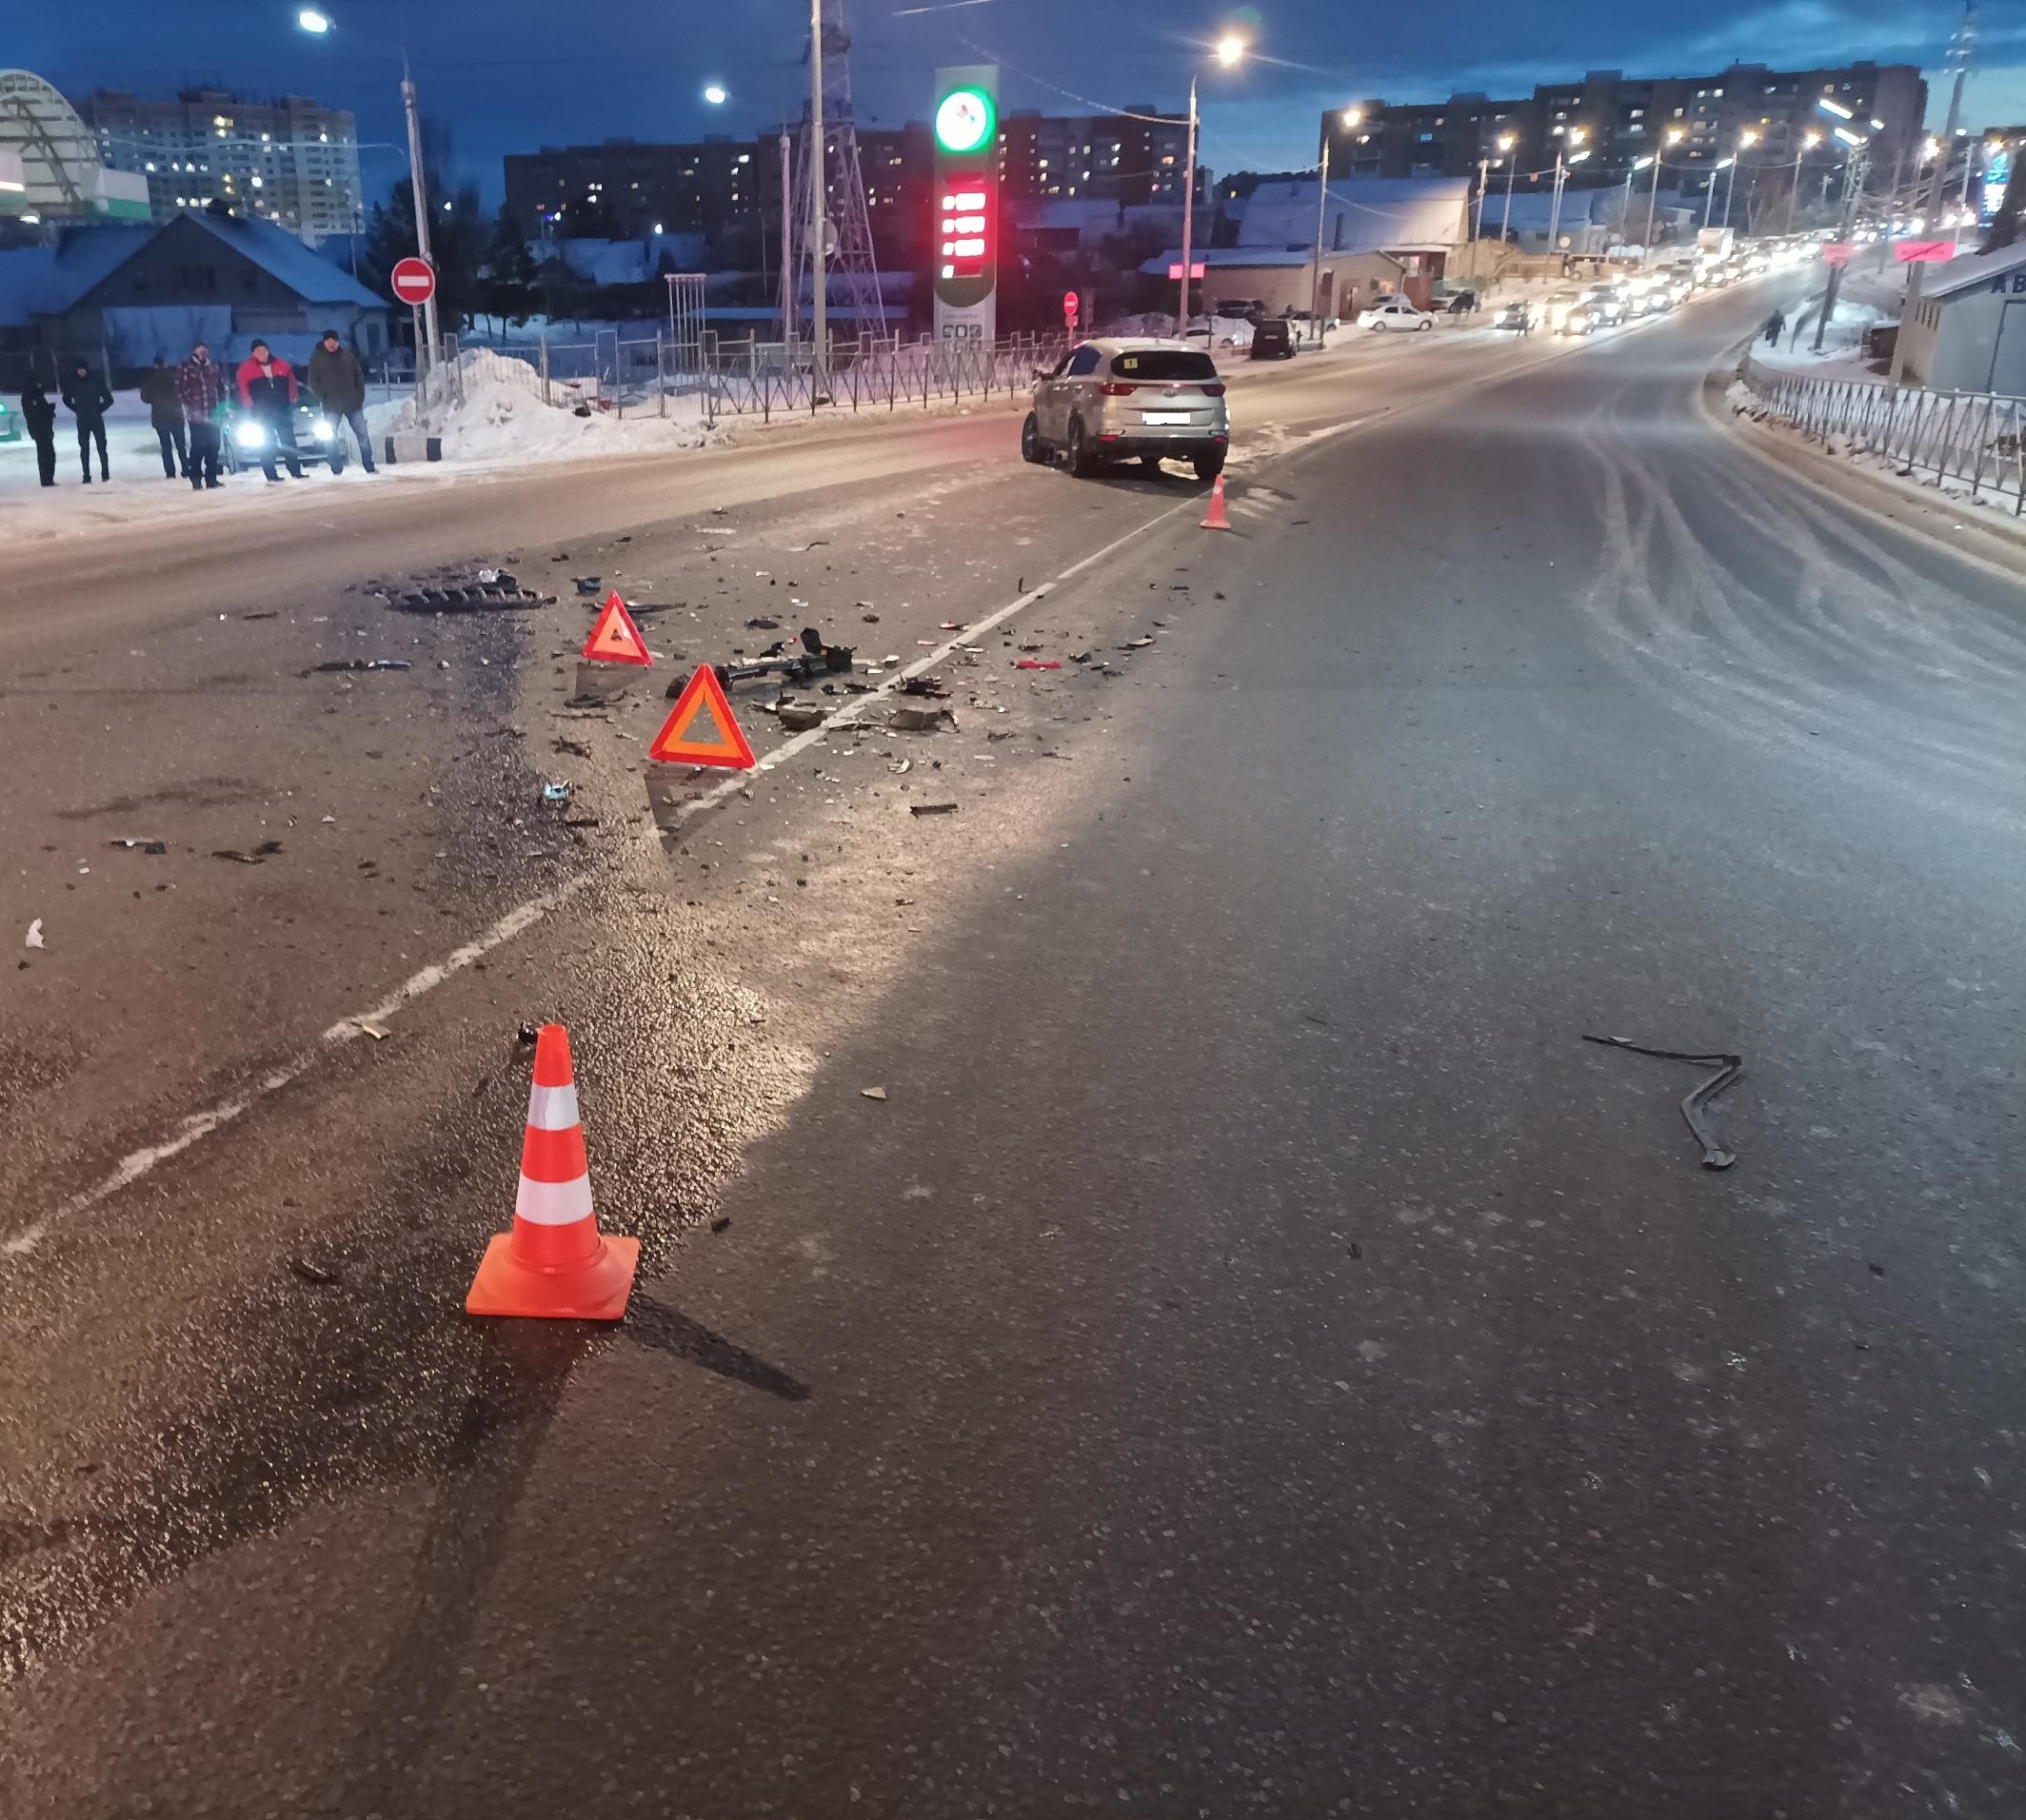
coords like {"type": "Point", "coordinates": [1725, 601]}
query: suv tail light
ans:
{"type": "Point", "coordinates": [1116, 388]}
{"type": "Point", "coordinates": [1213, 391]}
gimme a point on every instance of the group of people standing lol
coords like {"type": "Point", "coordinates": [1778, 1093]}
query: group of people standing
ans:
{"type": "Point", "coordinates": [189, 406]}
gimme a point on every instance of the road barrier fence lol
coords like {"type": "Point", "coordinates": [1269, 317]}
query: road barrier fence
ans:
{"type": "Point", "coordinates": [1977, 438]}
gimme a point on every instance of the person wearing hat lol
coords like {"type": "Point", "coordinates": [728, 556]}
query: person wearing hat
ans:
{"type": "Point", "coordinates": [86, 394]}
{"type": "Point", "coordinates": [339, 382]}
{"type": "Point", "coordinates": [201, 390]}
{"type": "Point", "coordinates": [164, 411]}
{"type": "Point", "coordinates": [38, 415]}
{"type": "Point", "coordinates": [267, 390]}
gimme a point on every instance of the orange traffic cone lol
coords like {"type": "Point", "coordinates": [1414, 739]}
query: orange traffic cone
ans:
{"type": "Point", "coordinates": [554, 1264]}
{"type": "Point", "coordinates": [1217, 521]}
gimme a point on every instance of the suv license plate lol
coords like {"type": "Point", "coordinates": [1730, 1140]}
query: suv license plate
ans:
{"type": "Point", "coordinates": [1164, 417]}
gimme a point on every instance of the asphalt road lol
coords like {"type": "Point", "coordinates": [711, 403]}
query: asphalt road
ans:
{"type": "Point", "coordinates": [1257, 1357]}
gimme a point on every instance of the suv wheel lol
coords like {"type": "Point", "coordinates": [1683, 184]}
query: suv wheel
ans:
{"type": "Point", "coordinates": [1081, 463]}
{"type": "Point", "coordinates": [1209, 467]}
{"type": "Point", "coordinates": [1031, 447]}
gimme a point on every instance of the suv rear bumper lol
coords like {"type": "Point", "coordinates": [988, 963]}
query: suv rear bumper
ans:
{"type": "Point", "coordinates": [1175, 447]}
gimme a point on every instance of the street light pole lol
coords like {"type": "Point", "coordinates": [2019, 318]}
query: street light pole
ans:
{"type": "Point", "coordinates": [422, 218]}
{"type": "Point", "coordinates": [1188, 219]}
{"type": "Point", "coordinates": [1314, 275]}
{"type": "Point", "coordinates": [818, 206]}
{"type": "Point", "coordinates": [1745, 140]}
{"type": "Point", "coordinates": [1709, 193]}
{"type": "Point", "coordinates": [1230, 49]}
{"type": "Point", "coordinates": [1653, 198]}
{"type": "Point", "coordinates": [1506, 143]}
{"type": "Point", "coordinates": [1560, 173]}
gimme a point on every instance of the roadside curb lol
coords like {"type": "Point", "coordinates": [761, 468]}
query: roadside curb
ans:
{"type": "Point", "coordinates": [1981, 536]}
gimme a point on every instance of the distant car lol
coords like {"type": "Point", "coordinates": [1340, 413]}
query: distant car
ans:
{"type": "Point", "coordinates": [1513, 315]}
{"type": "Point", "coordinates": [1110, 401]}
{"type": "Point", "coordinates": [248, 436]}
{"type": "Point", "coordinates": [1273, 338]}
{"type": "Point", "coordinates": [1395, 313]}
{"type": "Point", "coordinates": [1607, 304]}
{"type": "Point", "coordinates": [1246, 308]}
{"type": "Point", "coordinates": [1568, 312]}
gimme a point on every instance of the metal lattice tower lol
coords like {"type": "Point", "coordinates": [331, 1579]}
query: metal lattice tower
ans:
{"type": "Point", "coordinates": [853, 264]}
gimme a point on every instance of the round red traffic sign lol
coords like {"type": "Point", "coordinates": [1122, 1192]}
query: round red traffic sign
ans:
{"type": "Point", "coordinates": [1071, 304]}
{"type": "Point", "coordinates": [415, 280]}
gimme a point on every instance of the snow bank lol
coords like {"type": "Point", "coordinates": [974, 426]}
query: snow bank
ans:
{"type": "Point", "coordinates": [1225, 332]}
{"type": "Point", "coordinates": [502, 420]}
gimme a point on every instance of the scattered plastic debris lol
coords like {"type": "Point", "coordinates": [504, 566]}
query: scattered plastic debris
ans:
{"type": "Point", "coordinates": [312, 1272]}
{"type": "Point", "coordinates": [260, 616]}
{"type": "Point", "coordinates": [373, 1030]}
{"type": "Point", "coordinates": [361, 663]}
{"type": "Point", "coordinates": [872, 1093]}
{"type": "Point", "coordinates": [800, 717]}
{"type": "Point", "coordinates": [144, 846]}
{"type": "Point", "coordinates": [35, 940]}
{"type": "Point", "coordinates": [1728, 1069]}
{"type": "Point", "coordinates": [587, 584]}
{"type": "Point", "coordinates": [1036, 663]}
{"type": "Point", "coordinates": [260, 855]}
{"type": "Point", "coordinates": [527, 1035]}
{"type": "Point", "coordinates": [921, 720]}
{"type": "Point", "coordinates": [574, 748]}
{"type": "Point", "coordinates": [932, 808]}
{"type": "Point", "coordinates": [555, 793]}
{"type": "Point", "coordinates": [762, 625]}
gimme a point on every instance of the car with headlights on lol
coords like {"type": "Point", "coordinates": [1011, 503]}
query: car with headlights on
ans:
{"type": "Point", "coordinates": [248, 436]}
{"type": "Point", "coordinates": [1568, 312]}
{"type": "Point", "coordinates": [1126, 398]}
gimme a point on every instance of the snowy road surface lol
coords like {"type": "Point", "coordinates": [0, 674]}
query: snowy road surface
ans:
{"type": "Point", "coordinates": [1255, 1358]}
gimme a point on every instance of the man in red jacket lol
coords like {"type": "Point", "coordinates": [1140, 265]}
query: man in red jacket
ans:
{"type": "Point", "coordinates": [200, 387]}
{"type": "Point", "coordinates": [267, 390]}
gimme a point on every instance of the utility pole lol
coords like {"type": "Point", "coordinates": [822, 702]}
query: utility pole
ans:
{"type": "Point", "coordinates": [819, 205]}
{"type": "Point", "coordinates": [1855, 175]}
{"type": "Point", "coordinates": [1188, 220]}
{"type": "Point", "coordinates": [1507, 144]}
{"type": "Point", "coordinates": [1314, 280]}
{"type": "Point", "coordinates": [425, 357]}
{"type": "Point", "coordinates": [1965, 42]}
{"type": "Point", "coordinates": [787, 239]}
{"type": "Point", "coordinates": [1483, 182]}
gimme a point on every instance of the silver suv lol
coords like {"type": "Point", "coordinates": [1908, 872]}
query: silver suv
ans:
{"type": "Point", "coordinates": [1107, 401]}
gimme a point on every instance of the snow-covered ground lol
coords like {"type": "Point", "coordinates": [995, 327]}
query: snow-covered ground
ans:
{"type": "Point", "coordinates": [1868, 296]}
{"type": "Point", "coordinates": [501, 423]}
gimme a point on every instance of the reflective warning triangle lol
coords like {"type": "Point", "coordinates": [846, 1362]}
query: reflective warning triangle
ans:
{"type": "Point", "coordinates": [701, 729]}
{"type": "Point", "coordinates": [615, 638]}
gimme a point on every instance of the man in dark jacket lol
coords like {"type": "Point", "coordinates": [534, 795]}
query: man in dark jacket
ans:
{"type": "Point", "coordinates": [267, 390]}
{"type": "Point", "coordinates": [1775, 322]}
{"type": "Point", "coordinates": [38, 414]}
{"type": "Point", "coordinates": [165, 410]}
{"type": "Point", "coordinates": [85, 393]}
{"type": "Point", "coordinates": [339, 382]}
{"type": "Point", "coordinates": [201, 391]}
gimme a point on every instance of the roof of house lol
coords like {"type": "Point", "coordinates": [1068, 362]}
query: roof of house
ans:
{"type": "Point", "coordinates": [1365, 214]}
{"type": "Point", "coordinates": [1230, 259]}
{"type": "Point", "coordinates": [47, 280]}
{"type": "Point", "coordinates": [287, 259]}
{"type": "Point", "coordinates": [1967, 271]}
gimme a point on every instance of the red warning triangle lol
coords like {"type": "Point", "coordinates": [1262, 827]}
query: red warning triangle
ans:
{"type": "Point", "coordinates": [701, 729]}
{"type": "Point", "coordinates": [615, 638]}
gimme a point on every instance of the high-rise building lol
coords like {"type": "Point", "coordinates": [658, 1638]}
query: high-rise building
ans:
{"type": "Point", "coordinates": [1690, 122]}
{"type": "Point", "coordinates": [289, 161]}
{"type": "Point", "coordinates": [1134, 157]}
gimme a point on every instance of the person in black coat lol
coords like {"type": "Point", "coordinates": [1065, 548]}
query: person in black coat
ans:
{"type": "Point", "coordinates": [38, 415]}
{"type": "Point", "coordinates": [86, 394]}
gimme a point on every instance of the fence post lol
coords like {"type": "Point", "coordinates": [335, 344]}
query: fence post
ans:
{"type": "Point", "coordinates": [546, 397]}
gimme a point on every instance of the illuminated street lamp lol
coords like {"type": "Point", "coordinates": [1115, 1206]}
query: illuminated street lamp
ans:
{"type": "Point", "coordinates": [1574, 136]}
{"type": "Point", "coordinates": [717, 94]}
{"type": "Point", "coordinates": [1230, 52]}
{"type": "Point", "coordinates": [320, 24]}
{"type": "Point", "coordinates": [1506, 142]}
{"type": "Point", "coordinates": [1674, 136]}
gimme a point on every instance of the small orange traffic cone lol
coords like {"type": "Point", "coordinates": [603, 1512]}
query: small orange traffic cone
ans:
{"type": "Point", "coordinates": [555, 1264]}
{"type": "Point", "coordinates": [1217, 521]}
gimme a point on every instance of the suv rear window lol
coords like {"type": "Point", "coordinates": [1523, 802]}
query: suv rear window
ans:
{"type": "Point", "coordinates": [1164, 363]}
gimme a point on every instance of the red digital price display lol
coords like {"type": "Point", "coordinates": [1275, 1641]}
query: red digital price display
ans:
{"type": "Point", "coordinates": [966, 226]}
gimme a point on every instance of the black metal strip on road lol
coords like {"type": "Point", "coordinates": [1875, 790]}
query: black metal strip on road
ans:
{"type": "Point", "coordinates": [1728, 1069]}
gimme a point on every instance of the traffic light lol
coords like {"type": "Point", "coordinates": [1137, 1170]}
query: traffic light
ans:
{"type": "Point", "coordinates": [967, 203]}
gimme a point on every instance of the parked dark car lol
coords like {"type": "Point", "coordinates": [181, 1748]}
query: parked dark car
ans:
{"type": "Point", "coordinates": [1273, 338]}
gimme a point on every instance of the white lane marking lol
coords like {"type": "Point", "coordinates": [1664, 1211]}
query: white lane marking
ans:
{"type": "Point", "coordinates": [524, 916]}
{"type": "Point", "coordinates": [519, 919]}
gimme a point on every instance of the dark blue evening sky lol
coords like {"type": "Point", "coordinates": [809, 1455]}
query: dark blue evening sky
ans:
{"type": "Point", "coordinates": [507, 75]}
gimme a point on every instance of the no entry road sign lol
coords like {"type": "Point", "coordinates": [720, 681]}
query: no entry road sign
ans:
{"type": "Point", "coordinates": [415, 280]}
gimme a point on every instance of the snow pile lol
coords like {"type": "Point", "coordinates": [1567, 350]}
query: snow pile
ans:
{"type": "Point", "coordinates": [1225, 332]}
{"type": "Point", "coordinates": [501, 418]}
